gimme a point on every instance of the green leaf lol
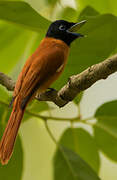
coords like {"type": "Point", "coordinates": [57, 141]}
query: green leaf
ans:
{"type": "Point", "coordinates": [106, 141]}
{"type": "Point", "coordinates": [108, 109]}
{"type": "Point", "coordinates": [69, 166]}
{"type": "Point", "coordinates": [13, 42]}
{"type": "Point", "coordinates": [52, 2]}
{"type": "Point", "coordinates": [69, 14]}
{"type": "Point", "coordinates": [100, 42]}
{"type": "Point", "coordinates": [14, 169]}
{"type": "Point", "coordinates": [16, 44]}
{"type": "Point", "coordinates": [88, 12]}
{"type": "Point", "coordinates": [82, 143]}
{"type": "Point", "coordinates": [37, 107]}
{"type": "Point", "coordinates": [5, 112]}
{"type": "Point", "coordinates": [106, 115]}
{"type": "Point", "coordinates": [22, 13]}
{"type": "Point", "coordinates": [105, 130]}
{"type": "Point", "coordinates": [105, 6]}
{"type": "Point", "coordinates": [4, 115]}
{"type": "Point", "coordinates": [78, 98]}
{"type": "Point", "coordinates": [4, 94]}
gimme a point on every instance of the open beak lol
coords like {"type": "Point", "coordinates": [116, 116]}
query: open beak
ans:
{"type": "Point", "coordinates": [73, 29]}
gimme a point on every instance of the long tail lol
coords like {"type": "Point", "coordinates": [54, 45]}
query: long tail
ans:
{"type": "Point", "coordinates": [10, 133]}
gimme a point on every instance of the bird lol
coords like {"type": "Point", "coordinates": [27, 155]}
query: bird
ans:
{"type": "Point", "coordinates": [41, 69]}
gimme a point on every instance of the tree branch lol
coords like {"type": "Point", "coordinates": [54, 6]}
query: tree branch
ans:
{"type": "Point", "coordinates": [7, 81]}
{"type": "Point", "coordinates": [76, 83]}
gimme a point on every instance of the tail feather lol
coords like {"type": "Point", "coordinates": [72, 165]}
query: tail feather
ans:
{"type": "Point", "coordinates": [10, 133]}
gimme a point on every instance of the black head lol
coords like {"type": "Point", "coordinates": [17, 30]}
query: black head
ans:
{"type": "Point", "coordinates": [64, 30]}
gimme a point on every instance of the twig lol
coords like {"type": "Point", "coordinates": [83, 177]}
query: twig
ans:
{"type": "Point", "coordinates": [7, 81]}
{"type": "Point", "coordinates": [76, 83]}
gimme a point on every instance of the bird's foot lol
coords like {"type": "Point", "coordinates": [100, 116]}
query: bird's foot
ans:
{"type": "Point", "coordinates": [51, 89]}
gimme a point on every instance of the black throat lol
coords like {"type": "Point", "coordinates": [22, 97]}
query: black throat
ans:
{"type": "Point", "coordinates": [66, 37]}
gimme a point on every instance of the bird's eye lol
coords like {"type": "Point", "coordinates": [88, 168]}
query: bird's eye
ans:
{"type": "Point", "coordinates": [62, 27]}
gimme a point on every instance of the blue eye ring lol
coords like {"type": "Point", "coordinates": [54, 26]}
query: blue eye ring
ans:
{"type": "Point", "coordinates": [62, 27]}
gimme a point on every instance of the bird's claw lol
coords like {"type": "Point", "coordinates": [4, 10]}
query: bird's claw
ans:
{"type": "Point", "coordinates": [51, 89]}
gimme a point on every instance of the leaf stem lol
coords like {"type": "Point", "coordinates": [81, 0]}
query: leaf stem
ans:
{"type": "Point", "coordinates": [74, 119]}
{"type": "Point", "coordinates": [50, 133]}
{"type": "Point", "coordinates": [60, 149]}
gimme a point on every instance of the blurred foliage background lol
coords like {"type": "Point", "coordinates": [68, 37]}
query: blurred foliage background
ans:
{"type": "Point", "coordinates": [79, 141]}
